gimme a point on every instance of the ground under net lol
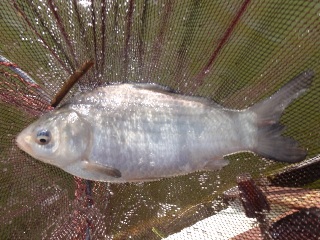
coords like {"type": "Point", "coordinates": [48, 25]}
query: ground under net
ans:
{"type": "Point", "coordinates": [233, 52]}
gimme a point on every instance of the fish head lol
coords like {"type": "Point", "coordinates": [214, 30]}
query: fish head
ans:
{"type": "Point", "coordinates": [59, 138]}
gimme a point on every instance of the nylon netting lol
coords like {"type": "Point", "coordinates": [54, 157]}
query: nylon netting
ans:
{"type": "Point", "coordinates": [234, 52]}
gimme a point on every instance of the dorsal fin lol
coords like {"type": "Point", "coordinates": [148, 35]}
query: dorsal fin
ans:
{"type": "Point", "coordinates": [166, 90]}
{"type": "Point", "coordinates": [154, 88]}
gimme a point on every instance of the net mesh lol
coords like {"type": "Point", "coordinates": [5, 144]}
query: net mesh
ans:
{"type": "Point", "coordinates": [234, 52]}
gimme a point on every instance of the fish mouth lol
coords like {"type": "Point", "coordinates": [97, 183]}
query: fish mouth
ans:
{"type": "Point", "coordinates": [22, 141]}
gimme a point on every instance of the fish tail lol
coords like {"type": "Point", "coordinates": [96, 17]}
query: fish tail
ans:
{"type": "Point", "coordinates": [270, 143]}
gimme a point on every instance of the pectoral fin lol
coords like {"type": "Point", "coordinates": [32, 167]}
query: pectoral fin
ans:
{"type": "Point", "coordinates": [110, 171]}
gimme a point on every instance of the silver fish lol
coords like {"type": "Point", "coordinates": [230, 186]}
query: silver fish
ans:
{"type": "Point", "coordinates": [143, 132]}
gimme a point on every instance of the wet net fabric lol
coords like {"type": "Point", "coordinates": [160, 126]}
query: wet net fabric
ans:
{"type": "Point", "coordinates": [234, 52]}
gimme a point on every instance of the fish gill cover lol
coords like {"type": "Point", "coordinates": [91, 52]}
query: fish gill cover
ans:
{"type": "Point", "coordinates": [233, 52]}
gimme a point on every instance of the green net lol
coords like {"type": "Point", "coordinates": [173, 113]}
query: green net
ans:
{"type": "Point", "coordinates": [233, 52]}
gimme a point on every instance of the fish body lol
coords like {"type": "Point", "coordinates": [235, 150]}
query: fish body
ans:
{"type": "Point", "coordinates": [143, 132]}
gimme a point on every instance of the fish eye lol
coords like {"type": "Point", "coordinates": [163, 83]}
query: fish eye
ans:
{"type": "Point", "coordinates": [43, 137]}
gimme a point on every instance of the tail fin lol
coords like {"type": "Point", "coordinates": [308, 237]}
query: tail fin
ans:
{"type": "Point", "coordinates": [270, 142]}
